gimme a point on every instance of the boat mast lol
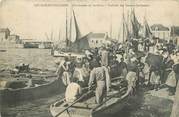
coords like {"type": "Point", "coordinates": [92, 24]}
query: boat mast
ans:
{"type": "Point", "coordinates": [47, 36]}
{"type": "Point", "coordinates": [173, 31]}
{"type": "Point", "coordinates": [123, 23]}
{"type": "Point", "coordinates": [52, 36]}
{"type": "Point", "coordinates": [59, 36]}
{"type": "Point", "coordinates": [70, 28]}
{"type": "Point", "coordinates": [66, 29]}
{"type": "Point", "coordinates": [111, 26]}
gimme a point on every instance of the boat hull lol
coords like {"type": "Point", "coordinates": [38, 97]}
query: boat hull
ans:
{"type": "Point", "coordinates": [109, 110]}
{"type": "Point", "coordinates": [31, 45]}
{"type": "Point", "coordinates": [112, 103]}
{"type": "Point", "coordinates": [66, 54]}
{"type": "Point", "coordinates": [10, 96]}
{"type": "Point", "coordinates": [112, 106]}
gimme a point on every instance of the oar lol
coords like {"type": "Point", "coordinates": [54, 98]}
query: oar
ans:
{"type": "Point", "coordinates": [33, 75]}
{"type": "Point", "coordinates": [73, 103]}
{"type": "Point", "coordinates": [83, 89]}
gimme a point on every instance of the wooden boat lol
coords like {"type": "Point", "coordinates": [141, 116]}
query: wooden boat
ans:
{"type": "Point", "coordinates": [72, 46]}
{"type": "Point", "coordinates": [86, 106]}
{"type": "Point", "coordinates": [3, 50]}
{"type": "Point", "coordinates": [31, 45]}
{"type": "Point", "coordinates": [15, 87]}
{"type": "Point", "coordinates": [66, 54]}
{"type": "Point", "coordinates": [44, 46]}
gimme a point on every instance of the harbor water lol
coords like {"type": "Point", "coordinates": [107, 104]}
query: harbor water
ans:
{"type": "Point", "coordinates": [141, 105]}
{"type": "Point", "coordinates": [38, 58]}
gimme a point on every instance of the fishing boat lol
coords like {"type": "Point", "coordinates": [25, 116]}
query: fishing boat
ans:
{"type": "Point", "coordinates": [67, 54]}
{"type": "Point", "coordinates": [3, 50]}
{"type": "Point", "coordinates": [71, 47]}
{"type": "Point", "coordinates": [85, 106]}
{"type": "Point", "coordinates": [45, 45]}
{"type": "Point", "coordinates": [41, 46]}
{"type": "Point", "coordinates": [20, 87]}
{"type": "Point", "coordinates": [31, 45]}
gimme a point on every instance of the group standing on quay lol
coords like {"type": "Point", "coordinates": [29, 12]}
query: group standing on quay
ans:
{"type": "Point", "coordinates": [141, 64]}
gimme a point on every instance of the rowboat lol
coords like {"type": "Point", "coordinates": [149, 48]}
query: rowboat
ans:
{"type": "Point", "coordinates": [2, 50]}
{"type": "Point", "coordinates": [15, 87]}
{"type": "Point", "coordinates": [85, 106]}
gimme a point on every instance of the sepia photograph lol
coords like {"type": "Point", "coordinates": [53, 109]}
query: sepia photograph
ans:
{"type": "Point", "coordinates": [89, 58]}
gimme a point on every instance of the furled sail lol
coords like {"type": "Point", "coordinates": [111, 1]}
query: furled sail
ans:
{"type": "Point", "coordinates": [124, 32]}
{"type": "Point", "coordinates": [134, 25]}
{"type": "Point", "coordinates": [146, 32]}
{"type": "Point", "coordinates": [74, 32]}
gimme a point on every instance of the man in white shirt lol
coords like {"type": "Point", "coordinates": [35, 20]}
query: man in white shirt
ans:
{"type": "Point", "coordinates": [73, 91]}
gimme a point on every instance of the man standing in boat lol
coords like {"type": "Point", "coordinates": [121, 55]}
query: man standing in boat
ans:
{"type": "Point", "coordinates": [100, 74]}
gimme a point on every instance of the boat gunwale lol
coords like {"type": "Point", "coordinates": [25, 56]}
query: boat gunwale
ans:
{"type": "Point", "coordinates": [18, 89]}
{"type": "Point", "coordinates": [104, 108]}
{"type": "Point", "coordinates": [93, 110]}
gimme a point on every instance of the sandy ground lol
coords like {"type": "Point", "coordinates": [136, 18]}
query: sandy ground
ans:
{"type": "Point", "coordinates": [146, 104]}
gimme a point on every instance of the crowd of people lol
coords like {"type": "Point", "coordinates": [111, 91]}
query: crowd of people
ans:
{"type": "Point", "coordinates": [133, 63]}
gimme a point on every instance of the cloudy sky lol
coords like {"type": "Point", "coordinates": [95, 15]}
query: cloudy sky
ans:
{"type": "Point", "coordinates": [36, 19]}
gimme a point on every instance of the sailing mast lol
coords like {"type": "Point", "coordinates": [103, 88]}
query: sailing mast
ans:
{"type": "Point", "coordinates": [146, 29]}
{"type": "Point", "coordinates": [72, 29]}
{"type": "Point", "coordinates": [51, 36]}
{"type": "Point", "coordinates": [123, 23]}
{"type": "Point", "coordinates": [47, 36]}
{"type": "Point", "coordinates": [59, 34]}
{"type": "Point", "coordinates": [111, 27]}
{"type": "Point", "coordinates": [124, 32]}
{"type": "Point", "coordinates": [66, 32]}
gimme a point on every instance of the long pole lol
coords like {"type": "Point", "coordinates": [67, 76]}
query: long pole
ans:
{"type": "Point", "coordinates": [70, 28]}
{"type": "Point", "coordinates": [111, 27]}
{"type": "Point", "coordinates": [66, 29]}
{"type": "Point", "coordinates": [59, 35]}
{"type": "Point", "coordinates": [73, 103]}
{"type": "Point", "coordinates": [123, 23]}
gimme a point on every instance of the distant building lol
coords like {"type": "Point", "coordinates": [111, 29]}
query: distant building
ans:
{"type": "Point", "coordinates": [4, 33]}
{"type": "Point", "coordinates": [175, 34]}
{"type": "Point", "coordinates": [97, 39]}
{"type": "Point", "coordinates": [91, 40]}
{"type": "Point", "coordinates": [161, 32]}
{"type": "Point", "coordinates": [34, 43]}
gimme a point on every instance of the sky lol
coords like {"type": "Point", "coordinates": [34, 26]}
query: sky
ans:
{"type": "Point", "coordinates": [42, 19]}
